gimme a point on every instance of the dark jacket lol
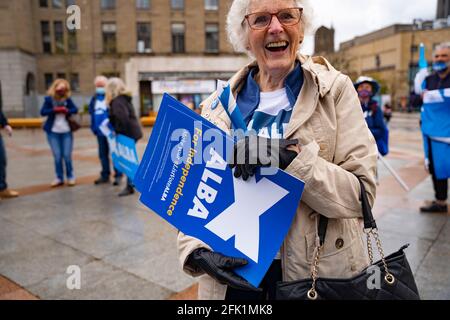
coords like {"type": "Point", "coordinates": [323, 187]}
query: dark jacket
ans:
{"type": "Point", "coordinates": [3, 120]}
{"type": "Point", "coordinates": [377, 126]}
{"type": "Point", "coordinates": [123, 118]}
{"type": "Point", "coordinates": [47, 111]}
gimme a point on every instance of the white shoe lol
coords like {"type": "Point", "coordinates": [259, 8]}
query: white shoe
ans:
{"type": "Point", "coordinates": [56, 183]}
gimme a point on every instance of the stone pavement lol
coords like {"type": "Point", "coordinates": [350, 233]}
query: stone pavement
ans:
{"type": "Point", "coordinates": [127, 252]}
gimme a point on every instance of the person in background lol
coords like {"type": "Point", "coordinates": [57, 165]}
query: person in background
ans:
{"type": "Point", "coordinates": [437, 82]}
{"type": "Point", "coordinates": [367, 88]}
{"type": "Point", "coordinates": [387, 113]}
{"type": "Point", "coordinates": [98, 110]}
{"type": "Point", "coordinates": [122, 118]}
{"type": "Point", "coordinates": [58, 107]}
{"type": "Point", "coordinates": [5, 193]}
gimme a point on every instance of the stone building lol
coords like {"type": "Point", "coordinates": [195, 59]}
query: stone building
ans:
{"type": "Point", "coordinates": [156, 46]}
{"type": "Point", "coordinates": [390, 55]}
{"type": "Point", "coordinates": [324, 41]}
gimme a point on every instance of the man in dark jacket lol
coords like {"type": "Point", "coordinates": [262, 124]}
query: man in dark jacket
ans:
{"type": "Point", "coordinates": [99, 112]}
{"type": "Point", "coordinates": [4, 191]}
{"type": "Point", "coordinates": [123, 118]}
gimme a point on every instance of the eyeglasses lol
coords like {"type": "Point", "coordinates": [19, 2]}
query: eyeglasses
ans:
{"type": "Point", "coordinates": [261, 20]}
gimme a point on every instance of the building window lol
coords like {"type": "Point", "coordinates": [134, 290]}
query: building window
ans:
{"type": "Point", "coordinates": [48, 79]}
{"type": "Point", "coordinates": [43, 3]}
{"type": "Point", "coordinates": [178, 38]}
{"type": "Point", "coordinates": [144, 37]}
{"type": "Point", "coordinates": [75, 82]}
{"type": "Point", "coordinates": [212, 37]}
{"type": "Point", "coordinates": [57, 4]}
{"type": "Point", "coordinates": [46, 38]}
{"type": "Point", "coordinates": [142, 4]}
{"type": "Point", "coordinates": [58, 30]}
{"type": "Point", "coordinates": [61, 75]}
{"type": "Point", "coordinates": [109, 38]}
{"type": "Point", "coordinates": [211, 4]}
{"type": "Point", "coordinates": [108, 4]}
{"type": "Point", "coordinates": [177, 4]}
{"type": "Point", "coordinates": [72, 41]}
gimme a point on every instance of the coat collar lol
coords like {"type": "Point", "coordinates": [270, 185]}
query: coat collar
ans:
{"type": "Point", "coordinates": [318, 79]}
{"type": "Point", "coordinates": [249, 96]}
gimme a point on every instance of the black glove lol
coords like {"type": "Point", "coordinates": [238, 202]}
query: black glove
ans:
{"type": "Point", "coordinates": [220, 268]}
{"type": "Point", "coordinates": [253, 152]}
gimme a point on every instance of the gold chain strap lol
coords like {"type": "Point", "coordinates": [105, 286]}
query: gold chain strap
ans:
{"type": "Point", "coordinates": [369, 247]}
{"type": "Point", "coordinates": [389, 278]}
{"type": "Point", "coordinates": [312, 293]}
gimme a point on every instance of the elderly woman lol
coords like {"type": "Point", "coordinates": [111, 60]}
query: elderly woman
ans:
{"type": "Point", "coordinates": [123, 118]}
{"type": "Point", "coordinates": [283, 94]}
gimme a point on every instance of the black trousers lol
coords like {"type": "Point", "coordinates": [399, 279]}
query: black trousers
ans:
{"type": "Point", "coordinates": [268, 286]}
{"type": "Point", "coordinates": [440, 186]}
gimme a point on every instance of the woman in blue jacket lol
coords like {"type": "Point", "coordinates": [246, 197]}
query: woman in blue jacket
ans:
{"type": "Point", "coordinates": [58, 107]}
{"type": "Point", "coordinates": [367, 88]}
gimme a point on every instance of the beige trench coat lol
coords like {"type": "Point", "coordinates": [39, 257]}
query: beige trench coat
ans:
{"type": "Point", "coordinates": [336, 147]}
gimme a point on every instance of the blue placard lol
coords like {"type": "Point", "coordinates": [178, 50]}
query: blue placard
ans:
{"type": "Point", "coordinates": [184, 178]}
{"type": "Point", "coordinates": [123, 150]}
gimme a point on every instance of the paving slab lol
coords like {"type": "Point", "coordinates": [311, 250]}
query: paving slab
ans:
{"type": "Point", "coordinates": [100, 281]}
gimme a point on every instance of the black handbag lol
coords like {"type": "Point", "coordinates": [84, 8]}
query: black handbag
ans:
{"type": "Point", "coordinates": [396, 278]}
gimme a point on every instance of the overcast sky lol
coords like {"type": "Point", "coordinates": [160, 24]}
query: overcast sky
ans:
{"type": "Point", "coordinates": [351, 18]}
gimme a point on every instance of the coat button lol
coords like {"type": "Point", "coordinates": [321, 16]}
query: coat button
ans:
{"type": "Point", "coordinates": [322, 146]}
{"type": "Point", "coordinates": [339, 243]}
{"type": "Point", "coordinates": [207, 115]}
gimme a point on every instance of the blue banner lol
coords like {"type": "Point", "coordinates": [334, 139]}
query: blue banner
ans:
{"type": "Point", "coordinates": [436, 130]}
{"type": "Point", "coordinates": [185, 179]}
{"type": "Point", "coordinates": [123, 150]}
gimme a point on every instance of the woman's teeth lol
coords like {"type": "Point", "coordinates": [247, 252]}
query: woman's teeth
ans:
{"type": "Point", "coordinates": [277, 46]}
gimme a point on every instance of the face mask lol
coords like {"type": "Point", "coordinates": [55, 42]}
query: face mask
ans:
{"type": "Point", "coordinates": [440, 66]}
{"type": "Point", "coordinates": [61, 92]}
{"type": "Point", "coordinates": [364, 94]}
{"type": "Point", "coordinates": [100, 91]}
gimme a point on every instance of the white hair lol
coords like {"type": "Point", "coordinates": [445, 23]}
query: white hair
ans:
{"type": "Point", "coordinates": [444, 45]}
{"type": "Point", "coordinates": [100, 79]}
{"type": "Point", "coordinates": [237, 31]}
{"type": "Point", "coordinates": [114, 88]}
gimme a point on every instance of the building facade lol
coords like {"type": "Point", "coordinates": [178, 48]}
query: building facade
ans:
{"type": "Point", "coordinates": [443, 9]}
{"type": "Point", "coordinates": [391, 56]}
{"type": "Point", "coordinates": [174, 46]}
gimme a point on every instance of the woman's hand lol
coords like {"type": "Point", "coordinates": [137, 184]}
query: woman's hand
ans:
{"type": "Point", "coordinates": [9, 130]}
{"type": "Point", "coordinates": [253, 152]}
{"type": "Point", "coordinates": [220, 268]}
{"type": "Point", "coordinates": [61, 109]}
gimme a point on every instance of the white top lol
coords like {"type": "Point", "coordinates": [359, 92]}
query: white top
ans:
{"type": "Point", "coordinates": [273, 102]}
{"type": "Point", "coordinates": [60, 125]}
{"type": "Point", "coordinates": [100, 106]}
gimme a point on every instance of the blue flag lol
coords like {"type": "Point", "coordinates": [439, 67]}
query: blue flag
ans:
{"type": "Point", "coordinates": [185, 179]}
{"type": "Point", "coordinates": [436, 129]}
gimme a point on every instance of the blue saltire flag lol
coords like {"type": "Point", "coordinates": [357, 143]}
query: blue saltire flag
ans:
{"type": "Point", "coordinates": [123, 150]}
{"type": "Point", "coordinates": [436, 129]}
{"type": "Point", "coordinates": [184, 178]}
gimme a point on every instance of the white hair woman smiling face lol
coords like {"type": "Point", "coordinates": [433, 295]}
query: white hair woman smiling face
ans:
{"type": "Point", "coordinates": [271, 31]}
{"type": "Point", "coordinates": [237, 31]}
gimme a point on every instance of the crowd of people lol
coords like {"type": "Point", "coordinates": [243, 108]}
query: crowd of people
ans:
{"type": "Point", "coordinates": [111, 102]}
